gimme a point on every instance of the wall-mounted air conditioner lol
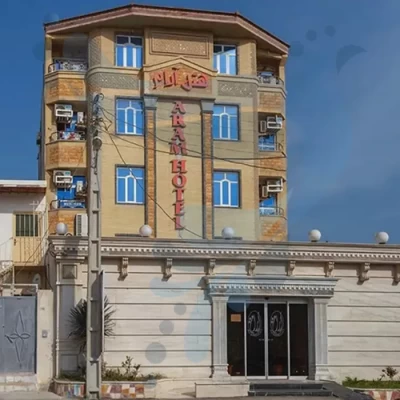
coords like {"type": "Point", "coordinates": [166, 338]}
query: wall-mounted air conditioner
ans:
{"type": "Point", "coordinates": [81, 225]}
{"type": "Point", "coordinates": [63, 111]}
{"type": "Point", "coordinates": [62, 178]}
{"type": "Point", "coordinates": [272, 186]}
{"type": "Point", "coordinates": [274, 123]}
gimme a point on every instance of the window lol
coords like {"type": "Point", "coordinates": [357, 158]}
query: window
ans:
{"type": "Point", "coordinates": [26, 225]}
{"type": "Point", "coordinates": [225, 123]}
{"type": "Point", "coordinates": [129, 117]}
{"type": "Point", "coordinates": [129, 51]}
{"type": "Point", "coordinates": [130, 185]}
{"type": "Point", "coordinates": [267, 143]}
{"type": "Point", "coordinates": [269, 206]}
{"type": "Point", "coordinates": [226, 189]}
{"type": "Point", "coordinates": [225, 59]}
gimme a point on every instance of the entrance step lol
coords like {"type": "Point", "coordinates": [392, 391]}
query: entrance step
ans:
{"type": "Point", "coordinates": [18, 383]}
{"type": "Point", "coordinates": [289, 389]}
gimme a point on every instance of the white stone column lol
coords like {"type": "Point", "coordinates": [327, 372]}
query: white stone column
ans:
{"type": "Point", "coordinates": [219, 332]}
{"type": "Point", "coordinates": [319, 365]}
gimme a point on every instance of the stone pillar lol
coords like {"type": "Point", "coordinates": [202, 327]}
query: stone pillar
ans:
{"type": "Point", "coordinates": [150, 107]}
{"type": "Point", "coordinates": [219, 332]}
{"type": "Point", "coordinates": [319, 364]}
{"type": "Point", "coordinates": [207, 168]}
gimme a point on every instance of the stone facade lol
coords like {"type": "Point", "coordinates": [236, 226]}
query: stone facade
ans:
{"type": "Point", "coordinates": [65, 154]}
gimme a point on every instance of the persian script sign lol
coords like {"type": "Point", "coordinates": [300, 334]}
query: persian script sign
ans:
{"type": "Point", "coordinates": [176, 77]}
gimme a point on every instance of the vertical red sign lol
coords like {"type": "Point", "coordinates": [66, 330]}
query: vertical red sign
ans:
{"type": "Point", "coordinates": [178, 148]}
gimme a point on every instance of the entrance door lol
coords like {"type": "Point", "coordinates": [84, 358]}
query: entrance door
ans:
{"type": "Point", "coordinates": [277, 340]}
{"type": "Point", "coordinates": [267, 339]}
{"type": "Point", "coordinates": [17, 334]}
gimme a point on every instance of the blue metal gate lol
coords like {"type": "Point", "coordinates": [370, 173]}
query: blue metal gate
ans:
{"type": "Point", "coordinates": [17, 334]}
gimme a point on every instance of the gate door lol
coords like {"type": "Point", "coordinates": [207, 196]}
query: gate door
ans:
{"type": "Point", "coordinates": [17, 334]}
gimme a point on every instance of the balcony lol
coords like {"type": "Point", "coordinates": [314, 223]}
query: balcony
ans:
{"type": "Point", "coordinates": [270, 80]}
{"type": "Point", "coordinates": [68, 64]}
{"type": "Point", "coordinates": [271, 211]}
{"type": "Point", "coordinates": [269, 143]}
{"type": "Point", "coordinates": [66, 150]}
{"type": "Point", "coordinates": [68, 135]}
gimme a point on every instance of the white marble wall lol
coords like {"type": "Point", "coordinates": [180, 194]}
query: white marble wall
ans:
{"type": "Point", "coordinates": [364, 323]}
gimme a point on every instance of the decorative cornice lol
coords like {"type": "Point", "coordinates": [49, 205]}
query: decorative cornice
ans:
{"type": "Point", "coordinates": [271, 286]}
{"type": "Point", "coordinates": [251, 267]}
{"type": "Point", "coordinates": [396, 274]}
{"type": "Point", "coordinates": [364, 269]}
{"type": "Point", "coordinates": [329, 267]}
{"type": "Point", "coordinates": [73, 247]}
{"type": "Point", "coordinates": [123, 268]}
{"type": "Point", "coordinates": [291, 268]}
{"type": "Point", "coordinates": [166, 269]}
{"type": "Point", "coordinates": [211, 266]}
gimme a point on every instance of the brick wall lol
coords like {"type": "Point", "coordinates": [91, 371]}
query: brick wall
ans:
{"type": "Point", "coordinates": [64, 154]}
{"type": "Point", "coordinates": [65, 216]}
{"type": "Point", "coordinates": [65, 88]}
{"type": "Point", "coordinates": [150, 170]}
{"type": "Point", "coordinates": [271, 102]}
{"type": "Point", "coordinates": [207, 176]}
{"type": "Point", "coordinates": [273, 228]}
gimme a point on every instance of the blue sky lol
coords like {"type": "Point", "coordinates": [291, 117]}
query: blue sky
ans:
{"type": "Point", "coordinates": [342, 107]}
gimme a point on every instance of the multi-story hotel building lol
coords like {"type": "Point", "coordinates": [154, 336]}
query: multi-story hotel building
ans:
{"type": "Point", "coordinates": [213, 98]}
{"type": "Point", "coordinates": [193, 130]}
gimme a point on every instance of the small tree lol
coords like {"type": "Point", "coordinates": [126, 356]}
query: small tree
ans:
{"type": "Point", "coordinates": [78, 318]}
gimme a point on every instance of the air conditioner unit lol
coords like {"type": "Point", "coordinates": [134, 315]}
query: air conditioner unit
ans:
{"type": "Point", "coordinates": [81, 225]}
{"type": "Point", "coordinates": [63, 111]}
{"type": "Point", "coordinates": [272, 186]}
{"type": "Point", "coordinates": [62, 178]}
{"type": "Point", "coordinates": [274, 123]}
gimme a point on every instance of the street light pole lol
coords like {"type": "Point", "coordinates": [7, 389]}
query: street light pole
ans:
{"type": "Point", "coordinates": [95, 297]}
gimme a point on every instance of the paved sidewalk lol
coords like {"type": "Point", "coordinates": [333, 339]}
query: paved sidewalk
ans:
{"type": "Point", "coordinates": [29, 396]}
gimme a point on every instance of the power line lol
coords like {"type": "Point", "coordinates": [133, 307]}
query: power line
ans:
{"type": "Point", "coordinates": [145, 191]}
{"type": "Point", "coordinates": [230, 159]}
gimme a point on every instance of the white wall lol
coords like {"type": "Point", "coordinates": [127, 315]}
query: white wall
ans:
{"type": "Point", "coordinates": [364, 324]}
{"type": "Point", "coordinates": [9, 204]}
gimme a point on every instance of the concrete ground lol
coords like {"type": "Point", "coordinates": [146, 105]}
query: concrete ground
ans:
{"type": "Point", "coordinates": [29, 396]}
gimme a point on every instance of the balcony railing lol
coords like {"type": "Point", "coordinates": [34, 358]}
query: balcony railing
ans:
{"type": "Point", "coordinates": [270, 79]}
{"type": "Point", "coordinates": [271, 211]}
{"type": "Point", "coordinates": [68, 136]}
{"type": "Point", "coordinates": [68, 64]}
{"type": "Point", "coordinates": [68, 204]}
{"type": "Point", "coordinates": [264, 145]}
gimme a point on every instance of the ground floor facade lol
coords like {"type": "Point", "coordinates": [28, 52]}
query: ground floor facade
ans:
{"type": "Point", "coordinates": [236, 310]}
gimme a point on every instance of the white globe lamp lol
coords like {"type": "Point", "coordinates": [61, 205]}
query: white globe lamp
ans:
{"type": "Point", "coordinates": [145, 231]}
{"type": "Point", "coordinates": [61, 229]}
{"type": "Point", "coordinates": [228, 233]}
{"type": "Point", "coordinates": [381, 237]}
{"type": "Point", "coordinates": [314, 235]}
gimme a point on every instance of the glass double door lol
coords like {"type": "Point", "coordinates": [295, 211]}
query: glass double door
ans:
{"type": "Point", "coordinates": [267, 339]}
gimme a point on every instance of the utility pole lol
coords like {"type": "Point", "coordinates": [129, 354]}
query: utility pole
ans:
{"type": "Point", "coordinates": [95, 296]}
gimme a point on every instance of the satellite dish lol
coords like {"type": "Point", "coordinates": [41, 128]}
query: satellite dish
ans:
{"type": "Point", "coordinates": [37, 280]}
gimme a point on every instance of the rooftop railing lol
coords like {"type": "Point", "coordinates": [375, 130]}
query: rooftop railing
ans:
{"type": "Point", "coordinates": [68, 64]}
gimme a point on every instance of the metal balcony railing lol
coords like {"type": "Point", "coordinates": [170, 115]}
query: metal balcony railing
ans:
{"type": "Point", "coordinates": [264, 145]}
{"type": "Point", "coordinates": [269, 79]}
{"type": "Point", "coordinates": [68, 204]}
{"type": "Point", "coordinates": [68, 136]}
{"type": "Point", "coordinates": [271, 211]}
{"type": "Point", "coordinates": [68, 64]}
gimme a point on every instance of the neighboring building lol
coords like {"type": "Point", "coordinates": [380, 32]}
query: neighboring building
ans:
{"type": "Point", "coordinates": [195, 120]}
{"type": "Point", "coordinates": [23, 232]}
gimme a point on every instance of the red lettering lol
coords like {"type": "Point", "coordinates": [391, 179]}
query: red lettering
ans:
{"type": "Point", "coordinates": [179, 181]}
{"type": "Point", "coordinates": [179, 208]}
{"type": "Point", "coordinates": [178, 134]}
{"type": "Point", "coordinates": [175, 149]}
{"type": "Point", "coordinates": [178, 225]}
{"type": "Point", "coordinates": [179, 166]}
{"type": "Point", "coordinates": [177, 120]}
{"type": "Point", "coordinates": [178, 107]}
{"type": "Point", "coordinates": [179, 194]}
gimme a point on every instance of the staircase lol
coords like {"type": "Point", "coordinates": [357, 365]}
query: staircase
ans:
{"type": "Point", "coordinates": [294, 389]}
{"type": "Point", "coordinates": [18, 383]}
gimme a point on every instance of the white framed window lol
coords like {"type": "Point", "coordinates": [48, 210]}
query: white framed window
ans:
{"type": "Point", "coordinates": [130, 119]}
{"type": "Point", "coordinates": [130, 185]}
{"type": "Point", "coordinates": [226, 189]}
{"type": "Point", "coordinates": [129, 51]}
{"type": "Point", "coordinates": [225, 122]}
{"type": "Point", "coordinates": [225, 59]}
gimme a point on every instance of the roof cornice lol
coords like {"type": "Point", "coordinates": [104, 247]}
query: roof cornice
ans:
{"type": "Point", "coordinates": [231, 249]}
{"type": "Point", "coordinates": [167, 13]}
